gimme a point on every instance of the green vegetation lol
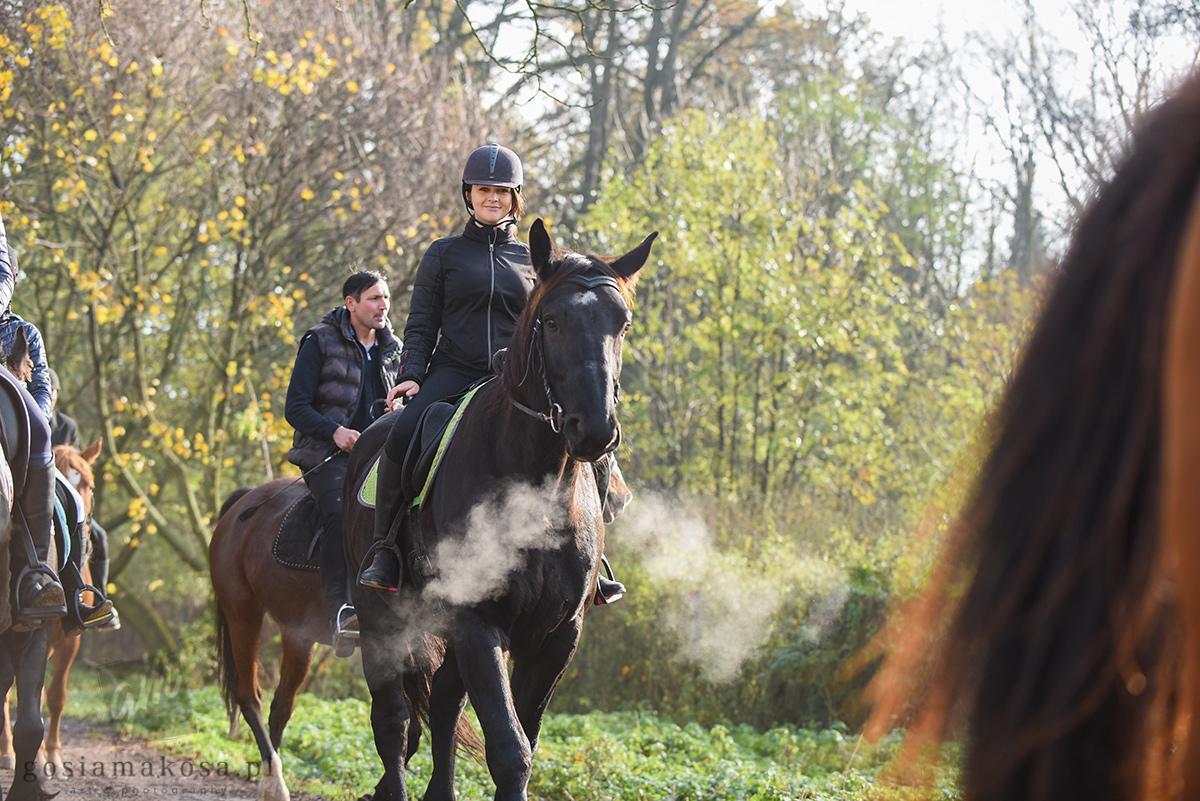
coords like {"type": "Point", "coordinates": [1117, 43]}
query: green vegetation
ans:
{"type": "Point", "coordinates": [626, 756]}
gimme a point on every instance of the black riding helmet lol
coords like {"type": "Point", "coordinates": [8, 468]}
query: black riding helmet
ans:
{"type": "Point", "coordinates": [491, 165]}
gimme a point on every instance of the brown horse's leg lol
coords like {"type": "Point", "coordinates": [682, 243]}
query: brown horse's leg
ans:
{"type": "Point", "coordinates": [244, 623]}
{"type": "Point", "coordinates": [534, 678]}
{"type": "Point", "coordinates": [447, 697]}
{"type": "Point", "coordinates": [482, 662]}
{"type": "Point", "coordinates": [63, 649]}
{"type": "Point", "coordinates": [6, 750]}
{"type": "Point", "coordinates": [297, 657]}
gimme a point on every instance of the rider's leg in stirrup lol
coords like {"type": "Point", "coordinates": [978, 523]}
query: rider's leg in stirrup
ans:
{"type": "Point", "coordinates": [98, 562]}
{"type": "Point", "coordinates": [608, 589]}
{"type": "Point", "coordinates": [384, 571]}
{"type": "Point", "coordinates": [79, 613]}
{"type": "Point", "coordinates": [326, 484]}
{"type": "Point", "coordinates": [39, 593]}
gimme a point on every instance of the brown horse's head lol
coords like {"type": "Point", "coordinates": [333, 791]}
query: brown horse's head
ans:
{"type": "Point", "coordinates": [568, 341]}
{"type": "Point", "coordinates": [76, 465]}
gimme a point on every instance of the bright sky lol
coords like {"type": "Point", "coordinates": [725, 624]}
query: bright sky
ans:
{"type": "Point", "coordinates": [918, 20]}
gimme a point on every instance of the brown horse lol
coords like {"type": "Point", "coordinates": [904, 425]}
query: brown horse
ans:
{"type": "Point", "coordinates": [249, 583]}
{"type": "Point", "coordinates": [1061, 629]}
{"type": "Point", "coordinates": [512, 531]}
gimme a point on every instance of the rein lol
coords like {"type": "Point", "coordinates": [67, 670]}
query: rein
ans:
{"type": "Point", "coordinates": [554, 418]}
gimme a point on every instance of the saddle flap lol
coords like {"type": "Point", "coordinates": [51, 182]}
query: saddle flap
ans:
{"type": "Point", "coordinates": [14, 432]}
{"type": "Point", "coordinates": [423, 448]}
{"type": "Point", "coordinates": [295, 543]}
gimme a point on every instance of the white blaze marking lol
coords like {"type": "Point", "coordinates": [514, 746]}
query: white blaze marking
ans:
{"type": "Point", "coordinates": [587, 298]}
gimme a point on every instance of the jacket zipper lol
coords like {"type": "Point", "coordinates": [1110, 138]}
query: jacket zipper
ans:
{"type": "Point", "coordinates": [491, 293]}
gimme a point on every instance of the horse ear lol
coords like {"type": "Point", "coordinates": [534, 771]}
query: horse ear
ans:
{"type": "Point", "coordinates": [91, 452]}
{"type": "Point", "coordinates": [540, 249]}
{"type": "Point", "coordinates": [627, 265]}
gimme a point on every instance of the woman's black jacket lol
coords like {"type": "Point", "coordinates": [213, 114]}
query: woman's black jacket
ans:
{"type": "Point", "coordinates": [467, 295]}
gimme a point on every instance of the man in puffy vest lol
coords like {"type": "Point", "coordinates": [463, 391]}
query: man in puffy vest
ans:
{"type": "Point", "coordinates": [344, 368]}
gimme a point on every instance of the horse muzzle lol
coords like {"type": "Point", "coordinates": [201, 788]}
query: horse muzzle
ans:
{"type": "Point", "coordinates": [588, 443]}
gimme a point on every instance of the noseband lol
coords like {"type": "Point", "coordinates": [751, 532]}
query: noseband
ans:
{"type": "Point", "coordinates": [554, 418]}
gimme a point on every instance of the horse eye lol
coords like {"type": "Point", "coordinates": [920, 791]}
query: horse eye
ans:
{"type": "Point", "coordinates": [552, 324]}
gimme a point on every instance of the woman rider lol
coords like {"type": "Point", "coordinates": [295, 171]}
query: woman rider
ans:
{"type": "Point", "coordinates": [468, 293]}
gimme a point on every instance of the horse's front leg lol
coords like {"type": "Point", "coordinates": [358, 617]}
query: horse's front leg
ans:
{"type": "Point", "coordinates": [448, 696]}
{"type": "Point", "coordinates": [390, 715]}
{"type": "Point", "coordinates": [482, 662]}
{"type": "Point", "coordinates": [65, 648]}
{"type": "Point", "coordinates": [536, 675]}
{"type": "Point", "coordinates": [7, 762]}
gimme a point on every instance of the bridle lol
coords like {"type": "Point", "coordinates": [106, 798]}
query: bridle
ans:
{"type": "Point", "coordinates": [554, 416]}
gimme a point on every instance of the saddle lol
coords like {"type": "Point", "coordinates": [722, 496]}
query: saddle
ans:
{"type": "Point", "coordinates": [14, 434]}
{"type": "Point", "coordinates": [299, 535]}
{"type": "Point", "coordinates": [435, 429]}
{"type": "Point", "coordinates": [424, 447]}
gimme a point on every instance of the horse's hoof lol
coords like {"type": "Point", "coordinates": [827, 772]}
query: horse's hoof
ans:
{"type": "Point", "coordinates": [271, 787]}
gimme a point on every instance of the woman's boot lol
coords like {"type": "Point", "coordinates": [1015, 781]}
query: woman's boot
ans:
{"type": "Point", "coordinates": [385, 570]}
{"type": "Point", "coordinates": [39, 593]}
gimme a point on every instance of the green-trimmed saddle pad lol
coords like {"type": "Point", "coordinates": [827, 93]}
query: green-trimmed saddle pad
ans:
{"type": "Point", "coordinates": [366, 490]}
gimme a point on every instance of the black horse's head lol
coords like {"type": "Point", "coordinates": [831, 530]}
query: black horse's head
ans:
{"type": "Point", "coordinates": [571, 332]}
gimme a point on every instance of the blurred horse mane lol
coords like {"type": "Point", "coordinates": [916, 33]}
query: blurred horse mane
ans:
{"type": "Point", "coordinates": [1057, 625]}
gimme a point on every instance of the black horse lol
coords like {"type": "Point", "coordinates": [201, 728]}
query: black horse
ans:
{"type": "Point", "coordinates": [513, 530]}
{"type": "Point", "coordinates": [23, 654]}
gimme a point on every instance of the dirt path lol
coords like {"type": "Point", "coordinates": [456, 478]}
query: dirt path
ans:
{"type": "Point", "coordinates": [103, 766]}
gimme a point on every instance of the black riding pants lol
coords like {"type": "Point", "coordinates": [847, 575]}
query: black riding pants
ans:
{"type": "Point", "coordinates": [99, 558]}
{"type": "Point", "coordinates": [326, 485]}
{"type": "Point", "coordinates": [440, 384]}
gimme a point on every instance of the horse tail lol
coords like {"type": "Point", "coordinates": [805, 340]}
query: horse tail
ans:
{"type": "Point", "coordinates": [233, 498]}
{"type": "Point", "coordinates": [428, 655]}
{"type": "Point", "coordinates": [227, 667]}
{"type": "Point", "coordinates": [1048, 627]}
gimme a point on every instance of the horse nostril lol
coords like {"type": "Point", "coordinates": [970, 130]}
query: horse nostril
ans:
{"type": "Point", "coordinates": [573, 425]}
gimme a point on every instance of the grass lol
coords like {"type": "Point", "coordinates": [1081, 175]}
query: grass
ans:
{"type": "Point", "coordinates": [599, 756]}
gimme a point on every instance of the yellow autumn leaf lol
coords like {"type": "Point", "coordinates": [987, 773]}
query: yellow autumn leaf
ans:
{"type": "Point", "coordinates": [307, 194]}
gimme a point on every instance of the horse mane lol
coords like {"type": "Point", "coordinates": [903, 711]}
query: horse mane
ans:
{"type": "Point", "coordinates": [1048, 627]}
{"type": "Point", "coordinates": [563, 266]}
{"type": "Point", "coordinates": [233, 498]}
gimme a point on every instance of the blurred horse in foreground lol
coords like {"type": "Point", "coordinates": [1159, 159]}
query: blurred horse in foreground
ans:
{"type": "Point", "coordinates": [1061, 628]}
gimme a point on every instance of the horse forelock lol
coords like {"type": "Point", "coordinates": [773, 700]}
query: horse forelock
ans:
{"type": "Point", "coordinates": [1054, 637]}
